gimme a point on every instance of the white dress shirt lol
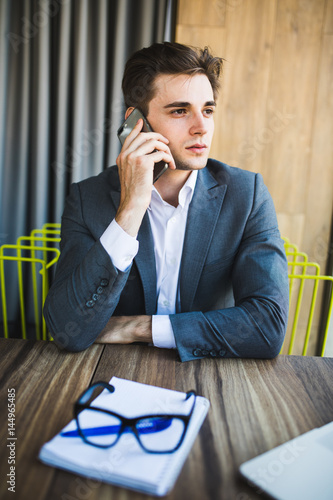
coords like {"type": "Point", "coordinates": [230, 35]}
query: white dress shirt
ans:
{"type": "Point", "coordinates": [168, 225]}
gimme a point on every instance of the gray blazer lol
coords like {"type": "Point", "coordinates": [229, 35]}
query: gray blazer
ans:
{"type": "Point", "coordinates": [233, 277]}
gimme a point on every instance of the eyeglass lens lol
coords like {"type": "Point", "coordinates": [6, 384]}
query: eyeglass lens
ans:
{"type": "Point", "coordinates": [155, 433]}
{"type": "Point", "coordinates": [166, 434]}
{"type": "Point", "coordinates": [99, 428]}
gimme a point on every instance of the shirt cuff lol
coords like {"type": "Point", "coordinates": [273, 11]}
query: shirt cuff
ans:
{"type": "Point", "coordinates": [121, 247]}
{"type": "Point", "coordinates": [163, 335]}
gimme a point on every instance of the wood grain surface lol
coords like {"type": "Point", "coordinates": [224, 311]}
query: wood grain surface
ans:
{"type": "Point", "coordinates": [46, 381]}
{"type": "Point", "coordinates": [255, 406]}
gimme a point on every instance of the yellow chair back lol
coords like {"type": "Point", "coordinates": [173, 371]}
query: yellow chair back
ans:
{"type": "Point", "coordinates": [306, 288]}
{"type": "Point", "coordinates": [39, 251]}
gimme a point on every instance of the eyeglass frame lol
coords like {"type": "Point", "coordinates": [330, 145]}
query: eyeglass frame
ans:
{"type": "Point", "coordinates": [128, 422]}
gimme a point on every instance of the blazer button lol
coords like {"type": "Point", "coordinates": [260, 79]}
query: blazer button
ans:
{"type": "Point", "coordinates": [213, 354]}
{"type": "Point", "coordinates": [100, 290]}
{"type": "Point", "coordinates": [104, 282]}
{"type": "Point", "coordinates": [221, 352]}
{"type": "Point", "coordinates": [204, 352]}
{"type": "Point", "coordinates": [90, 303]}
{"type": "Point", "coordinates": [197, 352]}
{"type": "Point", "coordinates": [95, 297]}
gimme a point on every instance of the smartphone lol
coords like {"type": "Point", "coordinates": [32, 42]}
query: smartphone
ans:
{"type": "Point", "coordinates": [127, 128]}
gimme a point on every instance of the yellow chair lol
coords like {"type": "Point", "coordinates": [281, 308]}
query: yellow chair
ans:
{"type": "Point", "coordinates": [304, 284]}
{"type": "Point", "coordinates": [34, 256]}
{"type": "Point", "coordinates": [49, 236]}
{"type": "Point", "coordinates": [292, 252]}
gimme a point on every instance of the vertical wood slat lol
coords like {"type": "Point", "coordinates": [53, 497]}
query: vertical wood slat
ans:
{"type": "Point", "coordinates": [286, 159]}
{"type": "Point", "coordinates": [241, 113]}
{"type": "Point", "coordinates": [318, 210]}
{"type": "Point", "coordinates": [328, 28]}
{"type": "Point", "coordinates": [202, 13]}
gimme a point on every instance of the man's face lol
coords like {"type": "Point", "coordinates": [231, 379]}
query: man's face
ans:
{"type": "Point", "coordinates": [182, 110]}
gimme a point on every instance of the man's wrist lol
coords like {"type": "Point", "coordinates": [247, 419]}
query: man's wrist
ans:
{"type": "Point", "coordinates": [143, 329]}
{"type": "Point", "coordinates": [130, 220]}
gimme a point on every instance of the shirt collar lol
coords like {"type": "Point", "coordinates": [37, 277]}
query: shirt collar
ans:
{"type": "Point", "coordinates": [185, 194]}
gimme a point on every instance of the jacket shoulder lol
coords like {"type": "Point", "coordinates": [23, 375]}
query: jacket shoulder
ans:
{"type": "Point", "coordinates": [226, 174]}
{"type": "Point", "coordinates": [107, 179]}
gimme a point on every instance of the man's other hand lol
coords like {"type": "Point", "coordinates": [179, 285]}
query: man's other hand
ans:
{"type": "Point", "coordinates": [126, 329]}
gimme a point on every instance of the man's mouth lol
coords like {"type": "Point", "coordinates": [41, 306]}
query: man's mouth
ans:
{"type": "Point", "coordinates": [197, 148]}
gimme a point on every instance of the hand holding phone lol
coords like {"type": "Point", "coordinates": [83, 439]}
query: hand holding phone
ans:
{"type": "Point", "coordinates": [127, 127]}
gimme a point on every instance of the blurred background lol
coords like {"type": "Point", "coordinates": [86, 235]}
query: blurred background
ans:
{"type": "Point", "coordinates": [61, 64]}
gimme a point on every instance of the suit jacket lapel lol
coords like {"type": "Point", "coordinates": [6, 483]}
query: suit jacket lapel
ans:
{"type": "Point", "coordinates": [203, 213]}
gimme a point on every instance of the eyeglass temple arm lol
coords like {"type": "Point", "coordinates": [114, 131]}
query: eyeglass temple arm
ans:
{"type": "Point", "coordinates": [189, 394]}
{"type": "Point", "coordinates": [88, 392]}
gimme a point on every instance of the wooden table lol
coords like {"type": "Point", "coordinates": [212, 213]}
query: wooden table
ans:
{"type": "Point", "coordinates": [255, 405]}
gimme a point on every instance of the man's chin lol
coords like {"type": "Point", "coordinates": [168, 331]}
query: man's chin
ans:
{"type": "Point", "coordinates": [190, 165]}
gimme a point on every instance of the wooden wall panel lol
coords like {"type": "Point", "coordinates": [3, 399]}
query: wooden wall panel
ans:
{"type": "Point", "coordinates": [249, 29]}
{"type": "Point", "coordinates": [297, 48]}
{"type": "Point", "coordinates": [201, 12]}
{"type": "Point", "coordinates": [319, 196]}
{"type": "Point", "coordinates": [196, 35]}
{"type": "Point", "coordinates": [328, 27]}
{"type": "Point", "coordinates": [275, 112]}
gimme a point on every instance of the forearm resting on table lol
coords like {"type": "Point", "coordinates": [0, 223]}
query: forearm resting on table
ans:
{"type": "Point", "coordinates": [126, 329]}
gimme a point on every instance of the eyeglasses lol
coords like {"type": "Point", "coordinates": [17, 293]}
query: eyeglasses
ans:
{"type": "Point", "coordinates": [160, 433]}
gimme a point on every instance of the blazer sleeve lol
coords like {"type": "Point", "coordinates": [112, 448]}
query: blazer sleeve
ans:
{"type": "Point", "coordinates": [255, 327]}
{"type": "Point", "coordinates": [87, 285]}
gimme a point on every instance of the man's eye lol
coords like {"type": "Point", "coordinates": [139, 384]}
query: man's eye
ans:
{"type": "Point", "coordinates": [178, 112]}
{"type": "Point", "coordinates": [209, 111]}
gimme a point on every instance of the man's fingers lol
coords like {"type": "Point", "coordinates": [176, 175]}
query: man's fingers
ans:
{"type": "Point", "coordinates": [136, 138]}
{"type": "Point", "coordinates": [151, 150]}
{"type": "Point", "coordinates": [158, 156]}
{"type": "Point", "coordinates": [149, 146]}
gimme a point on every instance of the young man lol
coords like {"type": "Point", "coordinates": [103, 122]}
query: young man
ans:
{"type": "Point", "coordinates": [194, 262]}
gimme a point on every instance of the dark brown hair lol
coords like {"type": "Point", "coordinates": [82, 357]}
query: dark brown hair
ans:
{"type": "Point", "coordinates": [145, 65]}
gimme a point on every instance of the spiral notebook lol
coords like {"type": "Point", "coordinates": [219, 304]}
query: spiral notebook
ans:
{"type": "Point", "coordinates": [126, 463]}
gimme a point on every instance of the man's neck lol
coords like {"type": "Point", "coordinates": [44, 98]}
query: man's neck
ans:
{"type": "Point", "coordinates": [170, 183]}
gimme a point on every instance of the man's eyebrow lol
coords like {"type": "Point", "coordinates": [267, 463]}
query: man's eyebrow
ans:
{"type": "Point", "coordinates": [184, 104]}
{"type": "Point", "coordinates": [210, 103]}
{"type": "Point", "coordinates": [178, 104]}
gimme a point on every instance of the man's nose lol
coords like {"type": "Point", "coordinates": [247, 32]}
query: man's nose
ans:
{"type": "Point", "coordinates": [198, 125]}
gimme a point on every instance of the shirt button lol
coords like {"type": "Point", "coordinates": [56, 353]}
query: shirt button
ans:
{"type": "Point", "coordinates": [90, 303]}
{"type": "Point", "coordinates": [104, 282]}
{"type": "Point", "coordinates": [173, 261]}
{"type": "Point", "coordinates": [128, 258]}
{"type": "Point", "coordinates": [166, 303]}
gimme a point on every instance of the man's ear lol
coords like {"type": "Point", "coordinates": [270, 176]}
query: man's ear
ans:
{"type": "Point", "coordinates": [128, 112]}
